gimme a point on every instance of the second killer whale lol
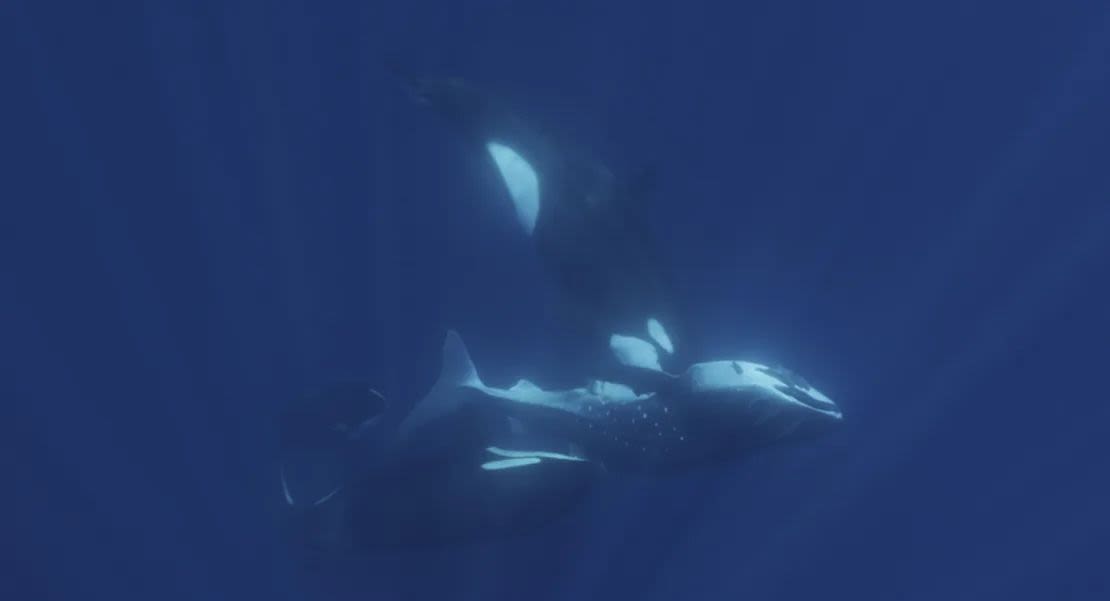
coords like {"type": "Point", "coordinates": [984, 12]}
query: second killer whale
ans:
{"type": "Point", "coordinates": [588, 224]}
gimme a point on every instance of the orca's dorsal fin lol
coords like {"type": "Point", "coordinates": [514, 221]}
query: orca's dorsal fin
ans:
{"type": "Point", "coordinates": [457, 371]}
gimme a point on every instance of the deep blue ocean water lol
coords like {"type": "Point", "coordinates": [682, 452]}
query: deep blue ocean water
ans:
{"type": "Point", "coordinates": [210, 207]}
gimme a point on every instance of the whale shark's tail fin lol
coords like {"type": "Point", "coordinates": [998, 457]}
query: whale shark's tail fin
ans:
{"type": "Point", "coordinates": [448, 394]}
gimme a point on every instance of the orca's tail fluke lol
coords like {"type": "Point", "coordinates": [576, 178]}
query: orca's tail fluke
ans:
{"type": "Point", "coordinates": [323, 438]}
{"type": "Point", "coordinates": [319, 525]}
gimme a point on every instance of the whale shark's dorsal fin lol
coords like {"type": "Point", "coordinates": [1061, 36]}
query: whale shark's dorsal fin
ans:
{"type": "Point", "coordinates": [457, 372]}
{"type": "Point", "coordinates": [525, 386]}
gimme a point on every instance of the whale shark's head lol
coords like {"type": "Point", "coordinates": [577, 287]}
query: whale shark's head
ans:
{"type": "Point", "coordinates": [757, 403]}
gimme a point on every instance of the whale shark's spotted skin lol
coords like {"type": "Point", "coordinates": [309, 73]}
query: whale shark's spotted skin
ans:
{"type": "Point", "coordinates": [651, 432]}
{"type": "Point", "coordinates": [639, 430]}
{"type": "Point", "coordinates": [606, 419]}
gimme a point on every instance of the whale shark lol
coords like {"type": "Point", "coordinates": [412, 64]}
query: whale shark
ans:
{"type": "Point", "coordinates": [711, 410]}
{"type": "Point", "coordinates": [588, 226]}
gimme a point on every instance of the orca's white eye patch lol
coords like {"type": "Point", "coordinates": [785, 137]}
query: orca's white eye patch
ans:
{"type": "Point", "coordinates": [521, 180]}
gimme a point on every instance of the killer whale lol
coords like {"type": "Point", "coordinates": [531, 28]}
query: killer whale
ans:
{"type": "Point", "coordinates": [472, 461]}
{"type": "Point", "coordinates": [588, 225]}
{"type": "Point", "coordinates": [469, 477]}
{"type": "Point", "coordinates": [471, 495]}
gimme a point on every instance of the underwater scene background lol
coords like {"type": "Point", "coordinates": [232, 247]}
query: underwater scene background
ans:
{"type": "Point", "coordinates": [214, 207]}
